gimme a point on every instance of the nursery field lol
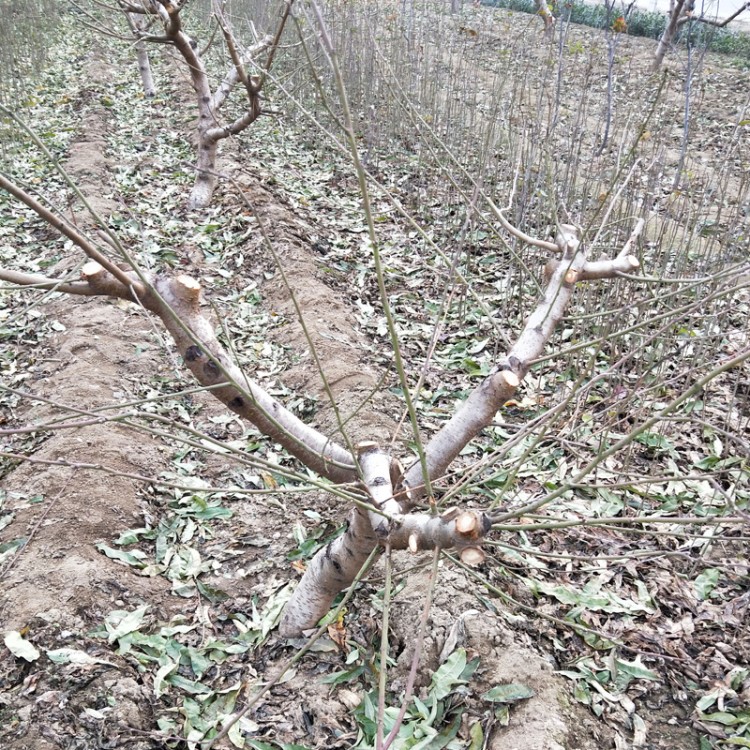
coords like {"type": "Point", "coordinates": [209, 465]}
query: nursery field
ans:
{"type": "Point", "coordinates": [376, 239]}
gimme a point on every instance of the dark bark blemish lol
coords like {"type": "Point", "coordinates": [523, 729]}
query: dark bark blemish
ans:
{"type": "Point", "coordinates": [237, 403]}
{"type": "Point", "coordinates": [192, 353]}
{"type": "Point", "coordinates": [211, 369]}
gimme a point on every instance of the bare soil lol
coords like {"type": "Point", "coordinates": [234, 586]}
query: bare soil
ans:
{"type": "Point", "coordinates": [59, 587]}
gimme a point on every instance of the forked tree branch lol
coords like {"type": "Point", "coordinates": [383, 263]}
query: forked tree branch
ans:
{"type": "Point", "coordinates": [712, 22]}
{"type": "Point", "coordinates": [681, 13]}
{"type": "Point", "coordinates": [335, 566]}
{"type": "Point", "coordinates": [483, 403]}
{"type": "Point", "coordinates": [210, 129]}
{"type": "Point", "coordinates": [70, 232]}
{"type": "Point", "coordinates": [177, 302]}
{"type": "Point", "coordinates": [235, 74]}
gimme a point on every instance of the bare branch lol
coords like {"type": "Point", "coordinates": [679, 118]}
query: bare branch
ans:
{"type": "Point", "coordinates": [713, 22]}
{"type": "Point", "coordinates": [177, 303]}
{"type": "Point", "coordinates": [598, 269]}
{"type": "Point", "coordinates": [528, 239]}
{"type": "Point", "coordinates": [634, 235]}
{"type": "Point", "coordinates": [72, 234]}
{"type": "Point", "coordinates": [252, 92]}
{"type": "Point", "coordinates": [37, 281]}
{"type": "Point", "coordinates": [233, 75]}
{"type": "Point", "coordinates": [240, 124]}
{"type": "Point", "coordinates": [483, 403]}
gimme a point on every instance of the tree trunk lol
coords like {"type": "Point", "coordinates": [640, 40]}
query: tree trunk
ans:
{"type": "Point", "coordinates": [669, 33]}
{"type": "Point", "coordinates": [336, 566]}
{"type": "Point", "coordinates": [144, 64]}
{"type": "Point", "coordinates": [549, 20]}
{"type": "Point", "coordinates": [205, 179]}
{"type": "Point", "coordinates": [385, 495]}
{"type": "Point", "coordinates": [210, 130]}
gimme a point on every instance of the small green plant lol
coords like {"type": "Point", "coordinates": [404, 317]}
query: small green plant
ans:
{"type": "Point", "coordinates": [576, 48]}
{"type": "Point", "coordinates": [434, 721]}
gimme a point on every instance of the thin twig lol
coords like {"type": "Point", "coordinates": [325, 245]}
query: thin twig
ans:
{"type": "Point", "coordinates": [417, 655]}
{"type": "Point", "coordinates": [294, 659]}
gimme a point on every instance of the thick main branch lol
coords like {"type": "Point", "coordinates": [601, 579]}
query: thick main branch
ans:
{"type": "Point", "coordinates": [483, 403]}
{"type": "Point", "coordinates": [177, 303]}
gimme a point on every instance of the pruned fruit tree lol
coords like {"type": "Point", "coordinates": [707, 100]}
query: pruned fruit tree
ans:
{"type": "Point", "coordinates": [384, 513]}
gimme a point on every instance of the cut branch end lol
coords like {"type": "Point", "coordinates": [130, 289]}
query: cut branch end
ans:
{"type": "Point", "coordinates": [366, 446]}
{"type": "Point", "coordinates": [91, 270]}
{"type": "Point", "coordinates": [472, 556]}
{"type": "Point", "coordinates": [467, 525]}
{"type": "Point", "coordinates": [188, 289]}
{"type": "Point", "coordinates": [510, 378]}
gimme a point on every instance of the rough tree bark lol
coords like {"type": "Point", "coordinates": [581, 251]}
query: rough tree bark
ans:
{"type": "Point", "coordinates": [384, 513]}
{"type": "Point", "coordinates": [210, 129]}
{"type": "Point", "coordinates": [680, 13]}
{"type": "Point", "coordinates": [144, 63]}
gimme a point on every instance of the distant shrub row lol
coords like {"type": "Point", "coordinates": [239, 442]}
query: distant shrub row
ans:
{"type": "Point", "coordinates": [640, 23]}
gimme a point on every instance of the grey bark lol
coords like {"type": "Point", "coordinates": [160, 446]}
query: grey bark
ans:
{"type": "Point", "coordinates": [680, 13]}
{"type": "Point", "coordinates": [665, 42]}
{"type": "Point", "coordinates": [144, 63]}
{"type": "Point", "coordinates": [337, 565]}
{"type": "Point", "coordinates": [209, 128]}
{"type": "Point", "coordinates": [176, 301]}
